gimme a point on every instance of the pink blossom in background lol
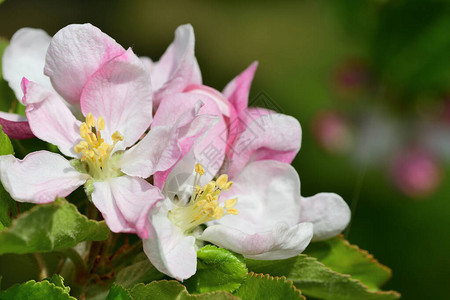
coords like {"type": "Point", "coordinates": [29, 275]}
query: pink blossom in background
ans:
{"type": "Point", "coordinates": [332, 132]}
{"type": "Point", "coordinates": [416, 172]}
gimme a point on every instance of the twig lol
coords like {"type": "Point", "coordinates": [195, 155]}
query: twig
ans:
{"type": "Point", "coordinates": [43, 271]}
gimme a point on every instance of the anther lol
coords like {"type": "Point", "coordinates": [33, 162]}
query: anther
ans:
{"type": "Point", "coordinates": [230, 203]}
{"type": "Point", "coordinates": [199, 169]}
{"type": "Point", "coordinates": [221, 182]}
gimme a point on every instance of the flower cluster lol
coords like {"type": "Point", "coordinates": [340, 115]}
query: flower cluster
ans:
{"type": "Point", "coordinates": [159, 153]}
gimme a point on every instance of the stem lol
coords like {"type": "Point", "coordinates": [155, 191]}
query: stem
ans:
{"type": "Point", "coordinates": [125, 252]}
{"type": "Point", "coordinates": [43, 271]}
{"type": "Point", "coordinates": [78, 262]}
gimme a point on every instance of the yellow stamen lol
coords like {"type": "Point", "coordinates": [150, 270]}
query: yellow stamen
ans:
{"type": "Point", "coordinates": [90, 120]}
{"type": "Point", "coordinates": [221, 182]}
{"type": "Point", "coordinates": [84, 130]}
{"type": "Point", "coordinates": [232, 211]}
{"type": "Point", "coordinates": [199, 169]}
{"type": "Point", "coordinates": [230, 203]}
{"type": "Point", "coordinates": [204, 203]}
{"type": "Point", "coordinates": [100, 123]}
{"type": "Point", "coordinates": [93, 147]}
{"type": "Point", "coordinates": [116, 137]}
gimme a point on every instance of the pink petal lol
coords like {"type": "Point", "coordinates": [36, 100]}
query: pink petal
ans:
{"type": "Point", "coordinates": [238, 124]}
{"type": "Point", "coordinates": [40, 177]}
{"type": "Point", "coordinates": [280, 242]}
{"type": "Point", "coordinates": [168, 249]}
{"type": "Point", "coordinates": [328, 212]}
{"type": "Point", "coordinates": [125, 203]}
{"type": "Point", "coordinates": [209, 150]}
{"type": "Point", "coordinates": [238, 89]}
{"type": "Point", "coordinates": [25, 57]}
{"type": "Point", "coordinates": [178, 66]}
{"type": "Point", "coordinates": [15, 126]}
{"type": "Point", "coordinates": [121, 93]}
{"type": "Point", "coordinates": [221, 102]}
{"type": "Point", "coordinates": [50, 119]}
{"type": "Point", "coordinates": [75, 53]}
{"type": "Point", "coordinates": [160, 149]}
{"type": "Point", "coordinates": [270, 137]}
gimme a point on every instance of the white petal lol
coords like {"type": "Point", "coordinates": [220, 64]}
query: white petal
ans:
{"type": "Point", "coordinates": [168, 249]}
{"type": "Point", "coordinates": [50, 119]}
{"type": "Point", "coordinates": [281, 242]}
{"type": "Point", "coordinates": [268, 193]}
{"type": "Point", "coordinates": [157, 151]}
{"type": "Point", "coordinates": [40, 177]}
{"type": "Point", "coordinates": [25, 57]}
{"type": "Point", "coordinates": [328, 212]}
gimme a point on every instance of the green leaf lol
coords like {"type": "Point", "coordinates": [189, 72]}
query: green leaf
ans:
{"type": "Point", "coordinates": [118, 293]}
{"type": "Point", "coordinates": [142, 271]}
{"type": "Point", "coordinates": [217, 269]}
{"type": "Point", "coordinates": [314, 279]}
{"type": "Point", "coordinates": [57, 280]}
{"type": "Point", "coordinates": [50, 227]}
{"type": "Point", "coordinates": [168, 290]}
{"type": "Point", "coordinates": [7, 204]}
{"type": "Point", "coordinates": [259, 286]}
{"type": "Point", "coordinates": [35, 290]}
{"type": "Point", "coordinates": [338, 255]}
{"type": "Point", "coordinates": [5, 144]}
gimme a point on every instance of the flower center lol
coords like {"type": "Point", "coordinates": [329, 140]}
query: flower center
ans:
{"type": "Point", "coordinates": [203, 205]}
{"type": "Point", "coordinates": [95, 151]}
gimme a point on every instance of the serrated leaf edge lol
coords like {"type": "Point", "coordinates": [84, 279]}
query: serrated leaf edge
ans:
{"type": "Point", "coordinates": [125, 289]}
{"type": "Point", "coordinates": [185, 289]}
{"type": "Point", "coordinates": [357, 281]}
{"type": "Point", "coordinates": [278, 278]}
{"type": "Point", "coordinates": [368, 255]}
{"type": "Point", "coordinates": [40, 283]}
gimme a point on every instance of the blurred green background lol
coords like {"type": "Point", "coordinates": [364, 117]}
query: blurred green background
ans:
{"type": "Point", "coordinates": [298, 45]}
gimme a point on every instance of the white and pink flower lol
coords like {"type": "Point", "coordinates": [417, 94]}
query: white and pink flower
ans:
{"type": "Point", "coordinates": [261, 215]}
{"type": "Point", "coordinates": [95, 78]}
{"type": "Point", "coordinates": [26, 57]}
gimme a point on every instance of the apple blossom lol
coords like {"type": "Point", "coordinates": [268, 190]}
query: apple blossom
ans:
{"type": "Point", "coordinates": [110, 88]}
{"type": "Point", "coordinates": [416, 172]}
{"type": "Point", "coordinates": [332, 132]}
{"type": "Point", "coordinates": [253, 133]}
{"type": "Point", "coordinates": [261, 215]}
{"type": "Point", "coordinates": [26, 57]}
